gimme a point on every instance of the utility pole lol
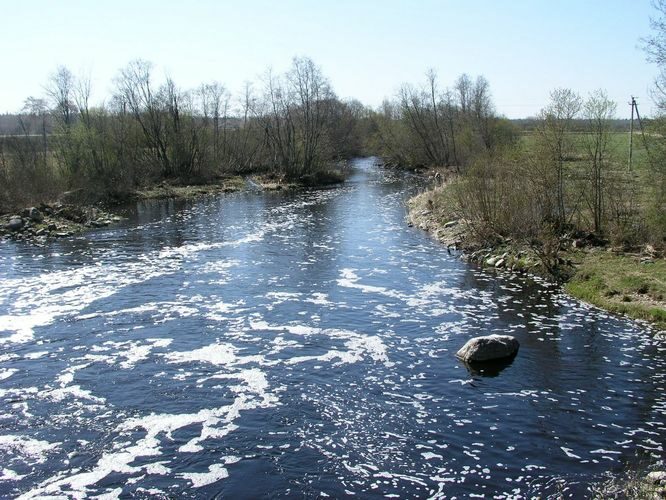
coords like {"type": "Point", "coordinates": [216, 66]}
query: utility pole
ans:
{"type": "Point", "coordinates": [631, 131]}
{"type": "Point", "coordinates": [634, 107]}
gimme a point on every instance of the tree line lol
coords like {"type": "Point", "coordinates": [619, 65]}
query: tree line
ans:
{"type": "Point", "coordinates": [429, 126]}
{"type": "Point", "coordinates": [565, 171]}
{"type": "Point", "coordinates": [290, 125]}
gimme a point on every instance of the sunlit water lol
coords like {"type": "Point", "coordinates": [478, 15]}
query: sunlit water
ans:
{"type": "Point", "coordinates": [302, 344]}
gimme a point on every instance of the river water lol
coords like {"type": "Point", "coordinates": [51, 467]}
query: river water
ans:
{"type": "Point", "coordinates": [302, 345]}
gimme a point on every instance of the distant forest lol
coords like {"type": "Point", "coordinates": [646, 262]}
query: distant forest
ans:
{"type": "Point", "coordinates": [13, 123]}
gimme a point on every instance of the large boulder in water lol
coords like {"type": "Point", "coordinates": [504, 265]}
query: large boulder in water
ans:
{"type": "Point", "coordinates": [488, 348]}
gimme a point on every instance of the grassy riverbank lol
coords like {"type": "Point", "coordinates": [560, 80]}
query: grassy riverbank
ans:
{"type": "Point", "coordinates": [621, 283]}
{"type": "Point", "coordinates": [633, 284]}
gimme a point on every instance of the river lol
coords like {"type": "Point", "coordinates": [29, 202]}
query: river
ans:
{"type": "Point", "coordinates": [301, 344]}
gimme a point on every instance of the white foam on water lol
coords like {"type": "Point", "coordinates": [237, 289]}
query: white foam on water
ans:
{"type": "Point", "coordinates": [216, 472]}
{"type": "Point", "coordinates": [254, 379]}
{"type": "Point", "coordinates": [302, 330]}
{"type": "Point", "coordinates": [67, 292]}
{"type": "Point", "coordinates": [36, 355]}
{"type": "Point", "coordinates": [5, 373]}
{"type": "Point", "coordinates": [157, 468]}
{"type": "Point", "coordinates": [10, 475]}
{"type": "Point", "coordinates": [137, 353]}
{"type": "Point", "coordinates": [263, 325]}
{"type": "Point", "coordinates": [320, 299]}
{"type": "Point", "coordinates": [293, 329]}
{"type": "Point", "coordinates": [215, 354]}
{"type": "Point", "coordinates": [110, 462]}
{"type": "Point", "coordinates": [153, 492]}
{"type": "Point", "coordinates": [350, 279]}
{"type": "Point", "coordinates": [280, 344]}
{"type": "Point", "coordinates": [22, 326]}
{"type": "Point", "coordinates": [18, 392]}
{"type": "Point", "coordinates": [161, 426]}
{"type": "Point", "coordinates": [73, 391]}
{"type": "Point", "coordinates": [358, 347]}
{"type": "Point", "coordinates": [29, 448]}
{"type": "Point", "coordinates": [218, 266]}
{"type": "Point", "coordinates": [66, 390]}
{"type": "Point", "coordinates": [252, 395]}
{"type": "Point", "coordinates": [251, 387]}
{"type": "Point", "coordinates": [219, 310]}
{"type": "Point", "coordinates": [110, 495]}
{"type": "Point", "coordinates": [382, 311]}
{"type": "Point", "coordinates": [568, 452]}
{"type": "Point", "coordinates": [280, 297]}
{"type": "Point", "coordinates": [404, 477]}
{"type": "Point", "coordinates": [67, 376]}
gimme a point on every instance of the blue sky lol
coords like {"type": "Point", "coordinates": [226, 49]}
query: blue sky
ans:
{"type": "Point", "coordinates": [525, 48]}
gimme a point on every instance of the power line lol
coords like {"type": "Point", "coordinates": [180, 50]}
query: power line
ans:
{"type": "Point", "coordinates": [634, 107]}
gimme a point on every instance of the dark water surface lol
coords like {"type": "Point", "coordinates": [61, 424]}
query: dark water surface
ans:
{"type": "Point", "coordinates": [302, 344]}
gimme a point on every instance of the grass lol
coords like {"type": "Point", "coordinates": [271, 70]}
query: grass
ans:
{"type": "Point", "coordinates": [618, 147]}
{"type": "Point", "coordinates": [621, 284]}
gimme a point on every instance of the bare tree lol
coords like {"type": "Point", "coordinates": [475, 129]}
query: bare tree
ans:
{"type": "Point", "coordinates": [598, 110]}
{"type": "Point", "coordinates": [60, 91]}
{"type": "Point", "coordinates": [555, 134]}
{"type": "Point", "coordinates": [276, 114]}
{"type": "Point", "coordinates": [655, 47]}
{"type": "Point", "coordinates": [81, 92]}
{"type": "Point", "coordinates": [245, 144]}
{"type": "Point", "coordinates": [435, 108]}
{"type": "Point", "coordinates": [36, 106]}
{"type": "Point", "coordinates": [135, 91]}
{"type": "Point", "coordinates": [463, 89]}
{"type": "Point", "coordinates": [312, 96]}
{"type": "Point", "coordinates": [482, 110]}
{"type": "Point", "coordinates": [414, 107]}
{"type": "Point", "coordinates": [214, 106]}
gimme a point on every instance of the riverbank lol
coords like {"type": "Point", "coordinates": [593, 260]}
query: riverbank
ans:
{"type": "Point", "coordinates": [53, 220]}
{"type": "Point", "coordinates": [230, 184]}
{"type": "Point", "coordinates": [633, 284]}
{"type": "Point", "coordinates": [50, 220]}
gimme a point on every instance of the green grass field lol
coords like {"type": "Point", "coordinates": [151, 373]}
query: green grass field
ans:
{"type": "Point", "coordinates": [621, 284]}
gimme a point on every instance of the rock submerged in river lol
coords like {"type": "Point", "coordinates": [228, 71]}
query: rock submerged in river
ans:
{"type": "Point", "coordinates": [488, 348]}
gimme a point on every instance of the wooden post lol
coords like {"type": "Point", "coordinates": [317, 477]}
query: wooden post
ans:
{"type": "Point", "coordinates": [631, 131]}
